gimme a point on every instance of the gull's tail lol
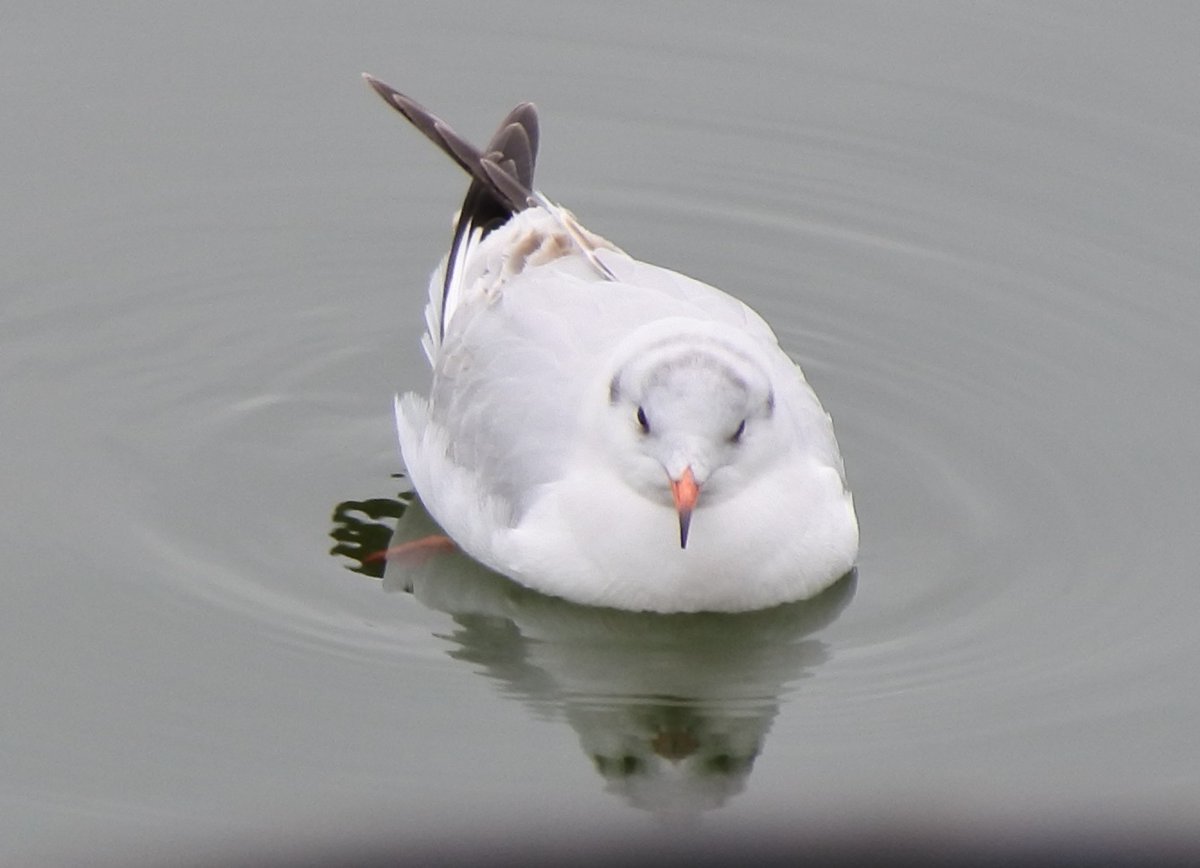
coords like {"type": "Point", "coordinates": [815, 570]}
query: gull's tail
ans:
{"type": "Point", "coordinates": [501, 181]}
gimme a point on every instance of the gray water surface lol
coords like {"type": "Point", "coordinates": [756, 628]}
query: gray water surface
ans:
{"type": "Point", "coordinates": [977, 228]}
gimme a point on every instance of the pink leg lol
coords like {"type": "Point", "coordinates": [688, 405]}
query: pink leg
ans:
{"type": "Point", "coordinates": [415, 551]}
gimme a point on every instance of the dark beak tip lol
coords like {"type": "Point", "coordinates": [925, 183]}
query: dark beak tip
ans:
{"type": "Point", "coordinates": [685, 522]}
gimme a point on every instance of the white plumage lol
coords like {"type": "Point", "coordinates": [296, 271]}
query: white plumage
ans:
{"type": "Point", "coordinates": [605, 430]}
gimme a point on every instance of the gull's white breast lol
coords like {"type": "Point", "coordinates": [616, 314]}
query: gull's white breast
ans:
{"type": "Point", "coordinates": [502, 458]}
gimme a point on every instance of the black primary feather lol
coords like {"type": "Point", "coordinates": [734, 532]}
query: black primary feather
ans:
{"type": "Point", "coordinates": [501, 175]}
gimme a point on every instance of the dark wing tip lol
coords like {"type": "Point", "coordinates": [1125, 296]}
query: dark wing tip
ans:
{"type": "Point", "coordinates": [517, 139]}
{"type": "Point", "coordinates": [502, 173]}
{"type": "Point", "coordinates": [516, 143]}
{"type": "Point", "coordinates": [501, 179]}
{"type": "Point", "coordinates": [390, 95]}
{"type": "Point", "coordinates": [433, 127]}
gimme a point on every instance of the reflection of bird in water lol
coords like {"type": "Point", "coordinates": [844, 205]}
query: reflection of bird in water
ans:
{"type": "Point", "coordinates": [606, 430]}
{"type": "Point", "coordinates": [360, 534]}
{"type": "Point", "coordinates": [672, 710]}
{"type": "Point", "coordinates": [673, 757]}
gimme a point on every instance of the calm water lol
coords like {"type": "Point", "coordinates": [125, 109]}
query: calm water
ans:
{"type": "Point", "coordinates": [976, 226]}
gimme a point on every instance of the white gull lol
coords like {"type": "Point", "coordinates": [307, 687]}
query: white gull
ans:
{"type": "Point", "coordinates": [606, 430]}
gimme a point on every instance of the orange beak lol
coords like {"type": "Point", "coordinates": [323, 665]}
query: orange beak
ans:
{"type": "Point", "coordinates": [685, 491]}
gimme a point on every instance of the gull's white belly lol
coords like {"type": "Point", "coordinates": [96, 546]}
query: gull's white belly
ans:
{"type": "Point", "coordinates": [593, 540]}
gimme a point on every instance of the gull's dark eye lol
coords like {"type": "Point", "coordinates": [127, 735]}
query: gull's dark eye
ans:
{"type": "Point", "coordinates": [643, 421]}
{"type": "Point", "coordinates": [737, 435]}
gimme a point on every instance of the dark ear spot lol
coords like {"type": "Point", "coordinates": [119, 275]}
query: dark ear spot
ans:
{"type": "Point", "coordinates": [770, 403]}
{"type": "Point", "coordinates": [614, 391]}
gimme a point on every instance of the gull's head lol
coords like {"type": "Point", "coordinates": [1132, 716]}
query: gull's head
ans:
{"type": "Point", "coordinates": [690, 418]}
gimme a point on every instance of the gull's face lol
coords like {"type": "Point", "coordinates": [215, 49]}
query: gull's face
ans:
{"type": "Point", "coordinates": [690, 423]}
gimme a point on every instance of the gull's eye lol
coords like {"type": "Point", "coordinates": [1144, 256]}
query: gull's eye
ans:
{"type": "Point", "coordinates": [737, 435]}
{"type": "Point", "coordinates": [643, 421]}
